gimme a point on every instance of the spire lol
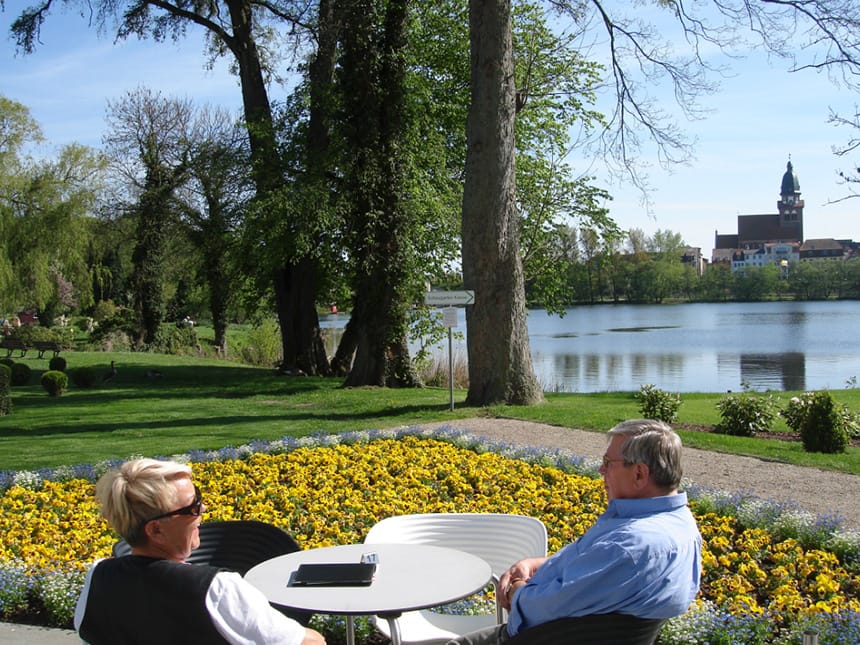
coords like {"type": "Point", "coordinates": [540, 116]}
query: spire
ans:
{"type": "Point", "coordinates": [790, 184]}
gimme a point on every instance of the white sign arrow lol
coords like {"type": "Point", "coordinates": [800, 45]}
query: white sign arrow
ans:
{"type": "Point", "coordinates": [449, 298]}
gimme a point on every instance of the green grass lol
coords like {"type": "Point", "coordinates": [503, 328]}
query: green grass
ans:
{"type": "Point", "coordinates": [209, 403]}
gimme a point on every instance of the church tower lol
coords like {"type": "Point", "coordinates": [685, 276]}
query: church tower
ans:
{"type": "Point", "coordinates": [790, 205]}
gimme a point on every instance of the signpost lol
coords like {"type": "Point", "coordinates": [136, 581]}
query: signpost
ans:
{"type": "Point", "coordinates": [449, 300]}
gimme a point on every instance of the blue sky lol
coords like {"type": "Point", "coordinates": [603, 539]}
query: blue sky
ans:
{"type": "Point", "coordinates": [760, 117]}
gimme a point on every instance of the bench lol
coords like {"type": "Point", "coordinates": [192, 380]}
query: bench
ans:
{"type": "Point", "coordinates": [43, 346]}
{"type": "Point", "coordinates": [13, 344]}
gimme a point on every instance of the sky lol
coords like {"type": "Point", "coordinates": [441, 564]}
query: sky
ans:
{"type": "Point", "coordinates": [760, 118]}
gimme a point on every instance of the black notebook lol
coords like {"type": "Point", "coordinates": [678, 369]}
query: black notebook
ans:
{"type": "Point", "coordinates": [352, 574]}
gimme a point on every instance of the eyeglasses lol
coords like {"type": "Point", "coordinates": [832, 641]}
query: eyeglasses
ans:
{"type": "Point", "coordinates": [606, 461]}
{"type": "Point", "coordinates": [194, 508]}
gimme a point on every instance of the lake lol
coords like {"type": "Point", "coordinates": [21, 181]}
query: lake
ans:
{"type": "Point", "coordinates": [702, 347]}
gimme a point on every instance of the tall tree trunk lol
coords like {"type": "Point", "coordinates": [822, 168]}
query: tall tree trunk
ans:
{"type": "Point", "coordinates": [500, 363]}
{"type": "Point", "coordinates": [374, 76]}
{"type": "Point", "coordinates": [296, 281]}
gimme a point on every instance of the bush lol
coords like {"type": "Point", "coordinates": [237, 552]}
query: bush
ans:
{"type": "Point", "coordinates": [8, 362]}
{"type": "Point", "coordinates": [103, 310]}
{"type": "Point", "coordinates": [21, 373]}
{"type": "Point", "coordinates": [84, 377]}
{"type": "Point", "coordinates": [5, 387]}
{"type": "Point", "coordinates": [795, 412]}
{"type": "Point", "coordinates": [823, 426]}
{"type": "Point", "coordinates": [57, 363]}
{"type": "Point", "coordinates": [54, 382]}
{"type": "Point", "coordinates": [743, 414]}
{"type": "Point", "coordinates": [263, 345]}
{"type": "Point", "coordinates": [172, 339]}
{"type": "Point", "coordinates": [654, 403]}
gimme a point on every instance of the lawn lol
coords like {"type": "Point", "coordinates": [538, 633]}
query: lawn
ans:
{"type": "Point", "coordinates": [161, 405]}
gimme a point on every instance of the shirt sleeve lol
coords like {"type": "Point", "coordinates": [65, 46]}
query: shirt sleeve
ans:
{"type": "Point", "coordinates": [243, 616]}
{"type": "Point", "coordinates": [574, 584]}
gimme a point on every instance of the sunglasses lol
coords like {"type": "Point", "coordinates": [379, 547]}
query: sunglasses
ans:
{"type": "Point", "coordinates": [194, 508]}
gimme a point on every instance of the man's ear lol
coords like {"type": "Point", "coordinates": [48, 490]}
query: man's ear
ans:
{"type": "Point", "coordinates": [642, 475]}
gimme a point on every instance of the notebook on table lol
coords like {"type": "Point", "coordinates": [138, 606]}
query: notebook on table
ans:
{"type": "Point", "coordinates": [330, 574]}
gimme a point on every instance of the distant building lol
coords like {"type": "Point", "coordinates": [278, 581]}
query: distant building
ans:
{"type": "Point", "coordinates": [827, 249]}
{"type": "Point", "coordinates": [756, 231]}
{"type": "Point", "coordinates": [693, 257]}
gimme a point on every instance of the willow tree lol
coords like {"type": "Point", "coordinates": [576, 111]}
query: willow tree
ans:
{"type": "Point", "coordinates": [46, 206]}
{"type": "Point", "coordinates": [234, 28]}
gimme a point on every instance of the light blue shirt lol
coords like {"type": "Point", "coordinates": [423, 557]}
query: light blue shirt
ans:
{"type": "Point", "coordinates": [642, 557]}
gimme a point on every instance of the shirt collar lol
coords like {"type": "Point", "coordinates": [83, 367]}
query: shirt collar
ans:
{"type": "Point", "coordinates": [646, 505]}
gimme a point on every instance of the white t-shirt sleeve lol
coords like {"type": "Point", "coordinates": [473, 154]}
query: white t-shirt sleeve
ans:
{"type": "Point", "coordinates": [243, 616]}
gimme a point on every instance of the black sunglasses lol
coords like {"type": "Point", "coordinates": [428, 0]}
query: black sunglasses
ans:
{"type": "Point", "coordinates": [194, 508]}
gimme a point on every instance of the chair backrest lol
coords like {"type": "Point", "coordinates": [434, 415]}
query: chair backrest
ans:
{"type": "Point", "coordinates": [602, 629]}
{"type": "Point", "coordinates": [235, 545]}
{"type": "Point", "coordinates": [498, 538]}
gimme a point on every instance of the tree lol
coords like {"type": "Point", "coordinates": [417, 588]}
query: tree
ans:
{"type": "Point", "coordinates": [372, 89]}
{"type": "Point", "coordinates": [45, 211]}
{"type": "Point", "coordinates": [233, 27]}
{"type": "Point", "coordinates": [149, 141]}
{"type": "Point", "coordinates": [500, 363]}
{"type": "Point", "coordinates": [218, 190]}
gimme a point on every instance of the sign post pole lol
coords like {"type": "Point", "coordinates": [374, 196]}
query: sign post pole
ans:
{"type": "Point", "coordinates": [448, 300]}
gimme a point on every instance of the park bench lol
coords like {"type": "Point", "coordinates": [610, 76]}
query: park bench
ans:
{"type": "Point", "coordinates": [14, 344]}
{"type": "Point", "coordinates": [43, 346]}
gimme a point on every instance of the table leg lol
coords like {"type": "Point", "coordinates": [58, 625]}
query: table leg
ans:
{"type": "Point", "coordinates": [350, 630]}
{"type": "Point", "coordinates": [394, 628]}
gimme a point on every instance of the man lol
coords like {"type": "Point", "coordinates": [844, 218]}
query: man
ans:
{"type": "Point", "coordinates": [642, 557]}
{"type": "Point", "coordinates": [152, 596]}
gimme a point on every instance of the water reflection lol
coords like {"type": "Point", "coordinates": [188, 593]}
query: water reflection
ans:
{"type": "Point", "coordinates": [692, 347]}
{"type": "Point", "coordinates": [783, 371]}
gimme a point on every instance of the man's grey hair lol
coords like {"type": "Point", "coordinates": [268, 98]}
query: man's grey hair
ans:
{"type": "Point", "coordinates": [654, 444]}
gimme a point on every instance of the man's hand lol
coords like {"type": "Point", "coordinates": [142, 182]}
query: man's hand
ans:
{"type": "Point", "coordinates": [517, 576]}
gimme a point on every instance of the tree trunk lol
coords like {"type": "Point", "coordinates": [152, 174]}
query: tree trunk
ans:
{"type": "Point", "coordinates": [296, 281]}
{"type": "Point", "coordinates": [374, 69]}
{"type": "Point", "coordinates": [500, 363]}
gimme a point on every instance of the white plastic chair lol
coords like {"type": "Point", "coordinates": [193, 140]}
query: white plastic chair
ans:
{"type": "Point", "coordinates": [499, 539]}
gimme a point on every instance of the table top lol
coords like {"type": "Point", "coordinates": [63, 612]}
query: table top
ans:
{"type": "Point", "coordinates": [408, 577]}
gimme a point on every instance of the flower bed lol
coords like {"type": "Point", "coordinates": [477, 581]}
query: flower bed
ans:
{"type": "Point", "coordinates": [769, 572]}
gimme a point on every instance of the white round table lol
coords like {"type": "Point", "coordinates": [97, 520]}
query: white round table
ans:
{"type": "Point", "coordinates": [408, 577]}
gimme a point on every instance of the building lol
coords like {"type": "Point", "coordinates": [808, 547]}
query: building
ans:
{"type": "Point", "coordinates": [755, 232]}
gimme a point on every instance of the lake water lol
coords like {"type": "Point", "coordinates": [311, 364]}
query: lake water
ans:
{"type": "Point", "coordinates": [692, 347]}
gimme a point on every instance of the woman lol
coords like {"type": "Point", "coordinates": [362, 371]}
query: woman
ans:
{"type": "Point", "coordinates": [152, 596]}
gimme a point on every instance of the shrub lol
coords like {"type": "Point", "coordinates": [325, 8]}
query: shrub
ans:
{"type": "Point", "coordinates": [84, 376]}
{"type": "Point", "coordinates": [823, 426]}
{"type": "Point", "coordinates": [263, 345]}
{"type": "Point", "coordinates": [121, 323]}
{"type": "Point", "coordinates": [8, 362]}
{"type": "Point", "coordinates": [743, 414]}
{"type": "Point", "coordinates": [21, 373]}
{"type": "Point", "coordinates": [103, 310]}
{"type": "Point", "coordinates": [57, 363]}
{"type": "Point", "coordinates": [655, 403]}
{"type": "Point", "coordinates": [55, 382]}
{"type": "Point", "coordinates": [5, 386]}
{"type": "Point", "coordinates": [171, 339]}
{"type": "Point", "coordinates": [795, 412]}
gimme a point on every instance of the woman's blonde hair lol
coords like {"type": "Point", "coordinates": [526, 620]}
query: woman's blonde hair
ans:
{"type": "Point", "coordinates": [137, 490]}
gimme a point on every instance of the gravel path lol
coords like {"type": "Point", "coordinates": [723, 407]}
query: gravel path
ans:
{"type": "Point", "coordinates": [818, 491]}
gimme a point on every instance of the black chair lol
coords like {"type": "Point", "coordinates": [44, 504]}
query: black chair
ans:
{"type": "Point", "coordinates": [599, 629]}
{"type": "Point", "coordinates": [237, 546]}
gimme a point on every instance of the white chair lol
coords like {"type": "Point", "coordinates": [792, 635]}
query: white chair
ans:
{"type": "Point", "coordinates": [499, 539]}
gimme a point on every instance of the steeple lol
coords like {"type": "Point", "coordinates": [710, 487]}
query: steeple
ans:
{"type": "Point", "coordinates": [790, 185]}
{"type": "Point", "coordinates": [790, 206]}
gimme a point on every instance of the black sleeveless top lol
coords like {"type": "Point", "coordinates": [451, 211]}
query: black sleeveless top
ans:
{"type": "Point", "coordinates": [139, 600]}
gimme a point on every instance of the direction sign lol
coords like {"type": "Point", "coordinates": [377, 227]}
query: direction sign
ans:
{"type": "Point", "coordinates": [449, 298]}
